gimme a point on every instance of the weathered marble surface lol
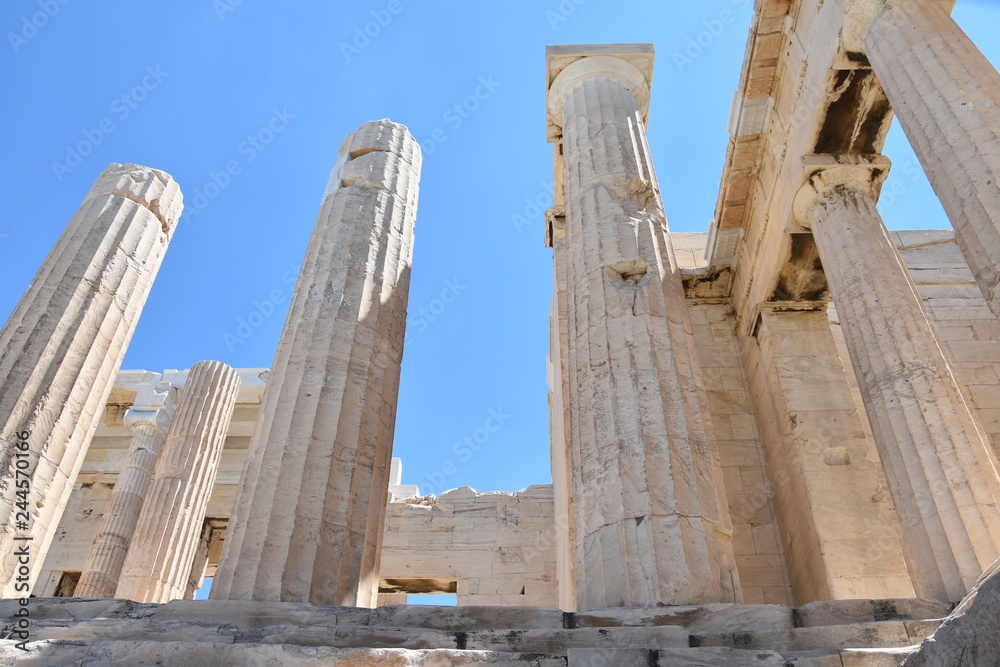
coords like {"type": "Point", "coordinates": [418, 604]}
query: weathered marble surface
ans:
{"type": "Point", "coordinates": [939, 468]}
{"type": "Point", "coordinates": [158, 564]}
{"type": "Point", "coordinates": [148, 418]}
{"type": "Point", "coordinates": [970, 636]}
{"type": "Point", "coordinates": [309, 517]}
{"type": "Point", "coordinates": [946, 95]}
{"type": "Point", "coordinates": [651, 523]}
{"type": "Point", "coordinates": [63, 345]}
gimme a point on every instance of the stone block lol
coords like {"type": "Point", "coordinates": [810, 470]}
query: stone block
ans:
{"type": "Point", "coordinates": [841, 612]}
{"type": "Point", "coordinates": [468, 618]}
{"type": "Point", "coordinates": [701, 619]}
{"type": "Point", "coordinates": [969, 636]}
{"type": "Point", "coordinates": [181, 654]}
{"type": "Point", "coordinates": [885, 634]}
{"type": "Point", "coordinates": [559, 641]}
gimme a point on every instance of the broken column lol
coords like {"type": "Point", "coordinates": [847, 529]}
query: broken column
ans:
{"type": "Point", "coordinates": [148, 419]}
{"type": "Point", "coordinates": [309, 515]}
{"type": "Point", "coordinates": [169, 527]}
{"type": "Point", "coordinates": [946, 95]}
{"type": "Point", "coordinates": [940, 470]}
{"type": "Point", "coordinates": [63, 345]}
{"type": "Point", "coordinates": [651, 521]}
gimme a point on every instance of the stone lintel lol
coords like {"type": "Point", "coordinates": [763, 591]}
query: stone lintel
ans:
{"type": "Point", "coordinates": [821, 174]}
{"type": "Point", "coordinates": [635, 67]}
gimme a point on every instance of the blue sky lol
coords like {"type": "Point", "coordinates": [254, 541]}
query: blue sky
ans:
{"type": "Point", "coordinates": [245, 104]}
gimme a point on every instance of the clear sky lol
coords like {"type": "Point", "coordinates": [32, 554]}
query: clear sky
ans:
{"type": "Point", "coordinates": [269, 90]}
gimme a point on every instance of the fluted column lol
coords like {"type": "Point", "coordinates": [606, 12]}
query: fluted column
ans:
{"type": "Point", "coordinates": [169, 527]}
{"type": "Point", "coordinates": [310, 512]}
{"type": "Point", "coordinates": [940, 471]}
{"type": "Point", "coordinates": [63, 345]}
{"type": "Point", "coordinates": [148, 419]}
{"type": "Point", "coordinates": [946, 95]}
{"type": "Point", "coordinates": [652, 525]}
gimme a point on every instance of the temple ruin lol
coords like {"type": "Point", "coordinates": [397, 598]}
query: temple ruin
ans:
{"type": "Point", "coordinates": [772, 443]}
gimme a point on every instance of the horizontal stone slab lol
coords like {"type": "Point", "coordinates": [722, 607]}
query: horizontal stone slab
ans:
{"type": "Point", "coordinates": [885, 634]}
{"type": "Point", "coordinates": [700, 619]}
{"type": "Point", "coordinates": [560, 641]}
{"type": "Point", "coordinates": [841, 612]}
{"type": "Point", "coordinates": [468, 619]}
{"type": "Point", "coordinates": [126, 654]}
{"type": "Point", "coordinates": [689, 657]}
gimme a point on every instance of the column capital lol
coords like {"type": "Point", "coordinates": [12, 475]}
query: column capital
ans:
{"type": "Point", "coordinates": [568, 65]}
{"type": "Point", "coordinates": [153, 406]}
{"type": "Point", "coordinates": [824, 174]}
{"type": "Point", "coordinates": [860, 14]}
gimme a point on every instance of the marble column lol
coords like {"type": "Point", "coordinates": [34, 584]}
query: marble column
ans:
{"type": "Point", "coordinates": [63, 345]}
{"type": "Point", "coordinates": [652, 524]}
{"type": "Point", "coordinates": [310, 512]}
{"type": "Point", "coordinates": [940, 470]}
{"type": "Point", "coordinates": [946, 95]}
{"type": "Point", "coordinates": [169, 527]}
{"type": "Point", "coordinates": [148, 419]}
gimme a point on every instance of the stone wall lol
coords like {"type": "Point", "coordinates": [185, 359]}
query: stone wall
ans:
{"type": "Point", "coordinates": [496, 548]}
{"type": "Point", "coordinates": [759, 554]}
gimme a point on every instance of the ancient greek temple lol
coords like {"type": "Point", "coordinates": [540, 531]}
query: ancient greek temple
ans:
{"type": "Point", "coordinates": [772, 443]}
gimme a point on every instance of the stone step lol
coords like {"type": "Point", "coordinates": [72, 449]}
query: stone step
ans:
{"type": "Point", "coordinates": [844, 612]}
{"type": "Point", "coordinates": [875, 634]}
{"type": "Point", "coordinates": [553, 640]}
{"type": "Point", "coordinates": [698, 619]}
{"type": "Point", "coordinates": [184, 654]}
{"type": "Point", "coordinates": [196, 654]}
{"type": "Point", "coordinates": [730, 657]}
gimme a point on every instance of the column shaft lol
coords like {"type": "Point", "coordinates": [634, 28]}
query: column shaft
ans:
{"type": "Point", "coordinates": [652, 524]}
{"type": "Point", "coordinates": [946, 95]}
{"type": "Point", "coordinates": [169, 527]}
{"type": "Point", "coordinates": [114, 534]}
{"type": "Point", "coordinates": [63, 345]}
{"type": "Point", "coordinates": [940, 471]}
{"type": "Point", "coordinates": [311, 507]}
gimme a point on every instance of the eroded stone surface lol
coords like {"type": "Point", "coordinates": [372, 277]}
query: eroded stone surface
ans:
{"type": "Point", "coordinates": [650, 521]}
{"type": "Point", "coordinates": [942, 474]}
{"type": "Point", "coordinates": [63, 345]}
{"type": "Point", "coordinates": [970, 636]}
{"type": "Point", "coordinates": [157, 569]}
{"type": "Point", "coordinates": [946, 95]}
{"type": "Point", "coordinates": [148, 418]}
{"type": "Point", "coordinates": [309, 518]}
